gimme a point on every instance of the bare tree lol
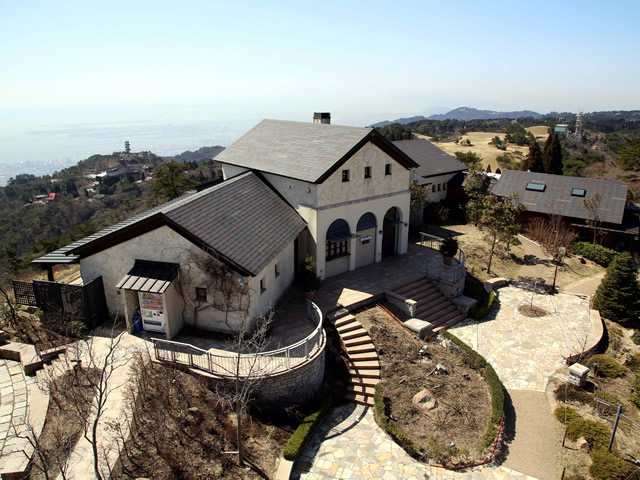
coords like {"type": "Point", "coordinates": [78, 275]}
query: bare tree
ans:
{"type": "Point", "coordinates": [593, 215]}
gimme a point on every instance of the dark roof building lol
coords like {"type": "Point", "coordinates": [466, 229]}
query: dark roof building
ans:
{"type": "Point", "coordinates": [242, 221]}
{"type": "Point", "coordinates": [302, 150]}
{"type": "Point", "coordinates": [564, 195]}
{"type": "Point", "coordinates": [431, 160]}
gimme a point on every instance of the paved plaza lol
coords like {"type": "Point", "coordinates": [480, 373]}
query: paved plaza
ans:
{"type": "Point", "coordinates": [526, 351]}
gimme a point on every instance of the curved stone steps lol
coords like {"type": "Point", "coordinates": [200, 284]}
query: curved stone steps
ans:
{"type": "Point", "coordinates": [364, 365]}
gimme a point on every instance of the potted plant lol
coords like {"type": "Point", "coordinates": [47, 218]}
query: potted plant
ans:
{"type": "Point", "coordinates": [448, 249]}
{"type": "Point", "coordinates": [307, 279]}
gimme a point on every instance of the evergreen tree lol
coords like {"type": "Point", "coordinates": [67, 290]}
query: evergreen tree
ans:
{"type": "Point", "coordinates": [170, 180]}
{"type": "Point", "coordinates": [552, 157]}
{"type": "Point", "coordinates": [618, 296]}
{"type": "Point", "coordinates": [534, 161]}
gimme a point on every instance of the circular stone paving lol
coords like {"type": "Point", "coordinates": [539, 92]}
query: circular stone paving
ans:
{"type": "Point", "coordinates": [526, 351]}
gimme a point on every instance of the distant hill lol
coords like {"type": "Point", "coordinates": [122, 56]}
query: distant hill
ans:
{"type": "Point", "coordinates": [463, 113]}
{"type": "Point", "coordinates": [468, 113]}
{"type": "Point", "coordinates": [200, 155]}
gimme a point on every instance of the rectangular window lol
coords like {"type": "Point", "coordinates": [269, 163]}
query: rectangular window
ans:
{"type": "Point", "coordinates": [263, 285]}
{"type": "Point", "coordinates": [536, 187]}
{"type": "Point", "coordinates": [345, 175]}
{"type": "Point", "coordinates": [387, 169]}
{"type": "Point", "coordinates": [444, 186]}
{"type": "Point", "coordinates": [433, 189]}
{"type": "Point", "coordinates": [336, 249]}
{"type": "Point", "coordinates": [277, 268]}
{"type": "Point", "coordinates": [439, 186]}
{"type": "Point", "coordinates": [201, 294]}
{"type": "Point", "coordinates": [367, 172]}
{"type": "Point", "coordinates": [578, 192]}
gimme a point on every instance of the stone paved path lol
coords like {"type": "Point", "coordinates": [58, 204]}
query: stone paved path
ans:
{"type": "Point", "coordinates": [526, 351]}
{"type": "Point", "coordinates": [13, 402]}
{"type": "Point", "coordinates": [350, 445]}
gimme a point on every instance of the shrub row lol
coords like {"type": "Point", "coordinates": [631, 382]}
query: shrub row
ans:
{"type": "Point", "coordinates": [484, 309]}
{"type": "Point", "coordinates": [296, 443]}
{"type": "Point", "coordinates": [608, 367]}
{"type": "Point", "coordinates": [604, 465]}
{"type": "Point", "coordinates": [495, 387]}
{"type": "Point", "coordinates": [597, 253]}
{"type": "Point", "coordinates": [394, 430]}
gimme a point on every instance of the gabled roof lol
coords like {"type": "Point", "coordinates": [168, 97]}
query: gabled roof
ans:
{"type": "Point", "coordinates": [431, 160]}
{"type": "Point", "coordinates": [556, 197]}
{"type": "Point", "coordinates": [302, 150]}
{"type": "Point", "coordinates": [242, 222]}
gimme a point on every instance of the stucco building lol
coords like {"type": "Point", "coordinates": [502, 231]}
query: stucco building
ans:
{"type": "Point", "coordinates": [213, 257]}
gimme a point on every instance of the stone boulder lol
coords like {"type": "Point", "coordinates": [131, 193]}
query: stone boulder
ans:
{"type": "Point", "coordinates": [425, 400]}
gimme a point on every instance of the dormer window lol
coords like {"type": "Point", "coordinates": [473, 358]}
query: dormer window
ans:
{"type": "Point", "coordinates": [345, 175]}
{"type": "Point", "coordinates": [536, 187]}
{"type": "Point", "coordinates": [578, 192]}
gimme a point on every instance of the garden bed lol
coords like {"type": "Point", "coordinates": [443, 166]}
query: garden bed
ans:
{"type": "Point", "coordinates": [449, 424]}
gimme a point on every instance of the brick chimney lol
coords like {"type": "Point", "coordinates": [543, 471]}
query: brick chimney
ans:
{"type": "Point", "coordinates": [322, 118]}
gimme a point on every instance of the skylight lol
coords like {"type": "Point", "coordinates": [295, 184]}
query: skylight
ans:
{"type": "Point", "coordinates": [536, 187]}
{"type": "Point", "coordinates": [578, 192]}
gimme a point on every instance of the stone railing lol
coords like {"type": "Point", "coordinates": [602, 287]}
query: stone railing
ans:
{"type": "Point", "coordinates": [230, 364]}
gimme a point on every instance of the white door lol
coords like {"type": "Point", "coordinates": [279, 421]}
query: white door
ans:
{"type": "Point", "coordinates": [152, 312]}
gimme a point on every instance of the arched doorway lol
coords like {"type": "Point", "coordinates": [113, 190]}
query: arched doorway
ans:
{"type": "Point", "coordinates": [390, 232]}
{"type": "Point", "coordinates": [366, 243]}
{"type": "Point", "coordinates": [337, 248]}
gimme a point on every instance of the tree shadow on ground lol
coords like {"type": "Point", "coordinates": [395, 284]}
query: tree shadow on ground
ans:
{"type": "Point", "coordinates": [508, 430]}
{"type": "Point", "coordinates": [530, 260]}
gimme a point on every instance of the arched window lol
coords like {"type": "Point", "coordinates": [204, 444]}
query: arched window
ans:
{"type": "Point", "coordinates": [338, 236]}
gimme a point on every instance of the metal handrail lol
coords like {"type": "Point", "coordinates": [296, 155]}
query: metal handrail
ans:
{"type": "Point", "coordinates": [431, 239]}
{"type": "Point", "coordinates": [227, 364]}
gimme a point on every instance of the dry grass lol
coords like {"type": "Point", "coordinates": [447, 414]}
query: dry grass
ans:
{"type": "Point", "coordinates": [526, 260]}
{"type": "Point", "coordinates": [463, 400]}
{"type": "Point", "coordinates": [480, 145]}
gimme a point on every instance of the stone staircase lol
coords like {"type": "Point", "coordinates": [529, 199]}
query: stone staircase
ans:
{"type": "Point", "coordinates": [364, 366]}
{"type": "Point", "coordinates": [432, 306]}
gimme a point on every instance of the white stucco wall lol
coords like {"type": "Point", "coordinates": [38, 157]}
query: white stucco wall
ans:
{"type": "Point", "coordinates": [439, 180]}
{"type": "Point", "coordinates": [333, 190]}
{"type": "Point", "coordinates": [165, 245]}
{"type": "Point", "coordinates": [366, 252]}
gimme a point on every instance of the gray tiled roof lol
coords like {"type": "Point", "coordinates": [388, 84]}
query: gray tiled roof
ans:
{"type": "Point", "coordinates": [431, 159]}
{"type": "Point", "coordinates": [243, 220]}
{"type": "Point", "coordinates": [557, 198]}
{"type": "Point", "coordinates": [299, 150]}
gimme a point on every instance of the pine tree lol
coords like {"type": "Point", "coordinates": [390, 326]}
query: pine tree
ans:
{"type": "Point", "coordinates": [618, 296]}
{"type": "Point", "coordinates": [534, 161]}
{"type": "Point", "coordinates": [552, 156]}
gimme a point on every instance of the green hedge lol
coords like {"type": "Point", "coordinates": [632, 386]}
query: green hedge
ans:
{"type": "Point", "coordinates": [495, 387]}
{"type": "Point", "coordinates": [392, 428]}
{"type": "Point", "coordinates": [484, 309]}
{"type": "Point", "coordinates": [608, 367]}
{"type": "Point", "coordinates": [597, 253]}
{"type": "Point", "coordinates": [296, 443]}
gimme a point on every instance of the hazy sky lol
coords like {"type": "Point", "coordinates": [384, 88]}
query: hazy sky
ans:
{"type": "Point", "coordinates": [94, 69]}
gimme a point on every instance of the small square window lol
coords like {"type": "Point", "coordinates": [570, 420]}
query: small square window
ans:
{"type": "Point", "coordinates": [367, 172]}
{"type": "Point", "coordinates": [387, 169]}
{"type": "Point", "coordinates": [345, 175]}
{"type": "Point", "coordinates": [201, 294]}
{"type": "Point", "coordinates": [277, 269]}
{"type": "Point", "coordinates": [263, 285]}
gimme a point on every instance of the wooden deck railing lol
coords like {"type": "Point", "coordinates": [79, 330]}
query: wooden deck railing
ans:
{"type": "Point", "coordinates": [229, 364]}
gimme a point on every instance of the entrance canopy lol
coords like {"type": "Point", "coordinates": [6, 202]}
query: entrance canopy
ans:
{"type": "Point", "coordinates": [339, 232]}
{"type": "Point", "coordinates": [149, 276]}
